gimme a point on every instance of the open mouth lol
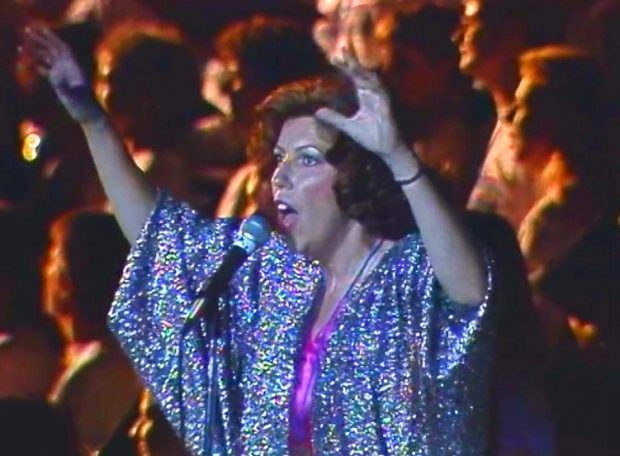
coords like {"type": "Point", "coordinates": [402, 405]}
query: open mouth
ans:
{"type": "Point", "coordinates": [287, 215]}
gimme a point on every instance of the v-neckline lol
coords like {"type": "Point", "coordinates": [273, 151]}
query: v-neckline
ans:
{"type": "Point", "coordinates": [351, 291]}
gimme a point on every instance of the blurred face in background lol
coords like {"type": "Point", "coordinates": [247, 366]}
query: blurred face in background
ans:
{"type": "Point", "coordinates": [418, 82]}
{"type": "Point", "coordinates": [359, 25]}
{"type": "Point", "coordinates": [532, 123]}
{"type": "Point", "coordinates": [472, 37]}
{"type": "Point", "coordinates": [242, 94]}
{"type": "Point", "coordinates": [485, 45]}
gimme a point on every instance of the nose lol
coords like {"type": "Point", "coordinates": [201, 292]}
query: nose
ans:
{"type": "Point", "coordinates": [281, 178]}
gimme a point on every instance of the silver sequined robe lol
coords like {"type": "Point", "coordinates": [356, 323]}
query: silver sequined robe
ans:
{"type": "Point", "coordinates": [405, 372]}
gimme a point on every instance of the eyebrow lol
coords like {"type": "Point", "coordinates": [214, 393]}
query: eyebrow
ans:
{"type": "Point", "coordinates": [302, 146]}
{"type": "Point", "coordinates": [306, 146]}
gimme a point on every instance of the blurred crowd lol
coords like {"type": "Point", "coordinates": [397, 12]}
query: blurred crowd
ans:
{"type": "Point", "coordinates": [513, 106]}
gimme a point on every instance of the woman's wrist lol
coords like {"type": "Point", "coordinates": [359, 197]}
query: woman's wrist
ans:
{"type": "Point", "coordinates": [409, 180]}
{"type": "Point", "coordinates": [92, 114]}
{"type": "Point", "coordinates": [82, 105]}
{"type": "Point", "coordinates": [405, 165]}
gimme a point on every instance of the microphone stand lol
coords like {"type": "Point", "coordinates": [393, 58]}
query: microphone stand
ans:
{"type": "Point", "coordinates": [253, 232]}
{"type": "Point", "coordinates": [207, 302]}
{"type": "Point", "coordinates": [212, 317]}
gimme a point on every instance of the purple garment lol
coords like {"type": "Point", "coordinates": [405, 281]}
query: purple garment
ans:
{"type": "Point", "coordinates": [308, 370]}
{"type": "Point", "coordinates": [405, 371]}
{"type": "Point", "coordinates": [300, 437]}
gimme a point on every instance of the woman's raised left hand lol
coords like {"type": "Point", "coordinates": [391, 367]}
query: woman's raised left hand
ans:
{"type": "Point", "coordinates": [373, 125]}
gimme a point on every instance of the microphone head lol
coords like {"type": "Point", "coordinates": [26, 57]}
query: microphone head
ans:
{"type": "Point", "coordinates": [253, 233]}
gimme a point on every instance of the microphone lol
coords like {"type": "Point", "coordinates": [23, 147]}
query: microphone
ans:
{"type": "Point", "coordinates": [253, 233]}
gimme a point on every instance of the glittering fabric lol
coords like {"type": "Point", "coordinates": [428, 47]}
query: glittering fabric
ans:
{"type": "Point", "coordinates": [302, 399]}
{"type": "Point", "coordinates": [404, 372]}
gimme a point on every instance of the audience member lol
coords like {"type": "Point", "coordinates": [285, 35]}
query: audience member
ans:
{"type": "Point", "coordinates": [30, 346]}
{"type": "Point", "coordinates": [360, 25]}
{"type": "Point", "coordinates": [150, 82]}
{"type": "Point", "coordinates": [439, 112]}
{"type": "Point", "coordinates": [492, 36]}
{"type": "Point", "coordinates": [109, 13]}
{"type": "Point", "coordinates": [98, 387]}
{"type": "Point", "coordinates": [560, 130]}
{"type": "Point", "coordinates": [522, 420]}
{"type": "Point", "coordinates": [153, 433]}
{"type": "Point", "coordinates": [568, 230]}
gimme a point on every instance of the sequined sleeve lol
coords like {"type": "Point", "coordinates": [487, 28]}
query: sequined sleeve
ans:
{"type": "Point", "coordinates": [458, 326]}
{"type": "Point", "coordinates": [407, 369]}
{"type": "Point", "coordinates": [459, 353]}
{"type": "Point", "coordinates": [176, 250]}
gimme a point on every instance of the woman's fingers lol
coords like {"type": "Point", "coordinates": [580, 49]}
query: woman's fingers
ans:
{"type": "Point", "coordinates": [45, 45]}
{"type": "Point", "coordinates": [372, 126]}
{"type": "Point", "coordinates": [42, 58]}
{"type": "Point", "coordinates": [36, 46]}
{"type": "Point", "coordinates": [52, 37]}
{"type": "Point", "coordinates": [52, 57]}
{"type": "Point", "coordinates": [37, 38]}
{"type": "Point", "coordinates": [334, 119]}
{"type": "Point", "coordinates": [55, 44]}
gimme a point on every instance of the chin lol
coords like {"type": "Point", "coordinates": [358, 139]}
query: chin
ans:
{"type": "Point", "coordinates": [305, 248]}
{"type": "Point", "coordinates": [295, 243]}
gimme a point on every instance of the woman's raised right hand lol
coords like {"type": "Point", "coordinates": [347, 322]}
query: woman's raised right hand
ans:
{"type": "Point", "coordinates": [54, 59]}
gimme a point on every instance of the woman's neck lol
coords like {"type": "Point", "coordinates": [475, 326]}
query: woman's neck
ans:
{"type": "Point", "coordinates": [341, 260]}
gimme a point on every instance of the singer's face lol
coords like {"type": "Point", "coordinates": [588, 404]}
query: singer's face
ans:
{"type": "Point", "coordinates": [302, 186]}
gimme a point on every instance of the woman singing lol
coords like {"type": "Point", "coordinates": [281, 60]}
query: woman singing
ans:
{"type": "Point", "coordinates": [357, 331]}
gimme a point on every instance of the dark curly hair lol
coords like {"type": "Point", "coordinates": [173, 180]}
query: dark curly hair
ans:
{"type": "Point", "coordinates": [155, 83]}
{"type": "Point", "coordinates": [84, 263]}
{"type": "Point", "coordinates": [569, 90]}
{"type": "Point", "coordinates": [365, 187]}
{"type": "Point", "coordinates": [271, 51]}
